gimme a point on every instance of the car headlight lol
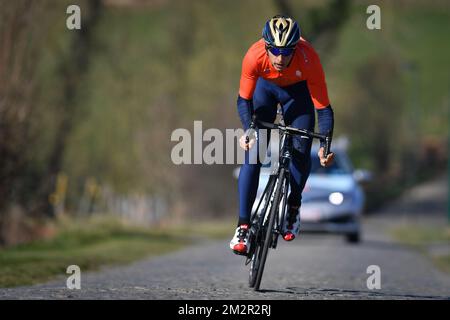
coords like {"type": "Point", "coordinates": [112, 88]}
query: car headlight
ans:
{"type": "Point", "coordinates": [336, 198]}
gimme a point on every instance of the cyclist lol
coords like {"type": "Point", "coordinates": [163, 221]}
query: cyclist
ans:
{"type": "Point", "coordinates": [281, 68]}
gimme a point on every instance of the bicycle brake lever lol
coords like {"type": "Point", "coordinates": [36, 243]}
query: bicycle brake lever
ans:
{"type": "Point", "coordinates": [252, 127]}
{"type": "Point", "coordinates": [327, 146]}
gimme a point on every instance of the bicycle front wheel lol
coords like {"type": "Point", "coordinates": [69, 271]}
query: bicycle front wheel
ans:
{"type": "Point", "coordinates": [257, 231]}
{"type": "Point", "coordinates": [255, 263]}
{"type": "Point", "coordinates": [269, 229]}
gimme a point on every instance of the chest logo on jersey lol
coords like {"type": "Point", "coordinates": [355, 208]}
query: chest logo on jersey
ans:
{"type": "Point", "coordinates": [298, 73]}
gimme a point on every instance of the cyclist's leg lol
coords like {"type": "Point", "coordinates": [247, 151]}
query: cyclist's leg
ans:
{"type": "Point", "coordinates": [264, 105]}
{"type": "Point", "coordinates": [298, 111]}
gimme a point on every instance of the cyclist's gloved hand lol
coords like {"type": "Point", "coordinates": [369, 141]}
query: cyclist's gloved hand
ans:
{"type": "Point", "coordinates": [244, 145]}
{"type": "Point", "coordinates": [325, 162]}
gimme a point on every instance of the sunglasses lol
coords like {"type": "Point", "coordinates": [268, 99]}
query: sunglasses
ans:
{"type": "Point", "coordinates": [285, 52]}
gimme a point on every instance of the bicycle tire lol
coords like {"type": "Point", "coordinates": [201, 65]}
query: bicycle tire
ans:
{"type": "Point", "coordinates": [254, 266]}
{"type": "Point", "coordinates": [268, 235]}
{"type": "Point", "coordinates": [256, 239]}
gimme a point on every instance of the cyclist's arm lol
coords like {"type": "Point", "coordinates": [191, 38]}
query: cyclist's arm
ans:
{"type": "Point", "coordinates": [319, 94]}
{"type": "Point", "coordinates": [325, 119]}
{"type": "Point", "coordinates": [247, 85]}
{"type": "Point", "coordinates": [316, 79]}
{"type": "Point", "coordinates": [245, 110]}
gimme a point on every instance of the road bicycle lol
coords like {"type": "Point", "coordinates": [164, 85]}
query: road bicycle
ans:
{"type": "Point", "coordinates": [266, 221]}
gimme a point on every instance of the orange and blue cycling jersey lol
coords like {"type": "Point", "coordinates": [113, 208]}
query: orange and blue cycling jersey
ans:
{"type": "Point", "coordinates": [305, 65]}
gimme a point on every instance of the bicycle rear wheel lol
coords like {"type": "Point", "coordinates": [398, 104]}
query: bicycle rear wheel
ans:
{"type": "Point", "coordinates": [268, 234]}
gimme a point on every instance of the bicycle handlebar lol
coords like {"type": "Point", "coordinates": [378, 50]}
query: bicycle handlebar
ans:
{"type": "Point", "coordinates": [325, 138]}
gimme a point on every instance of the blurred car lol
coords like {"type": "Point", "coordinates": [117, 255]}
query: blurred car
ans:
{"type": "Point", "coordinates": [333, 199]}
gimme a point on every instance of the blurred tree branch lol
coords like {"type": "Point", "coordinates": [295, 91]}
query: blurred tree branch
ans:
{"type": "Point", "coordinates": [72, 69]}
{"type": "Point", "coordinates": [19, 50]}
{"type": "Point", "coordinates": [22, 29]}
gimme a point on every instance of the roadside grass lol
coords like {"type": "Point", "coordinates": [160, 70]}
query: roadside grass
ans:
{"type": "Point", "coordinates": [95, 242]}
{"type": "Point", "coordinates": [432, 241]}
{"type": "Point", "coordinates": [210, 229]}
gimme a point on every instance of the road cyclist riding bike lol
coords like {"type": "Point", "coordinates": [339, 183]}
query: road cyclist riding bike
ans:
{"type": "Point", "coordinates": [282, 69]}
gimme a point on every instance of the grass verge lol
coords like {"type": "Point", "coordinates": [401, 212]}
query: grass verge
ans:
{"type": "Point", "coordinates": [432, 241]}
{"type": "Point", "coordinates": [95, 242]}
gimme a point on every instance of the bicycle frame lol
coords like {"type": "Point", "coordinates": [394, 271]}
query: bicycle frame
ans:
{"type": "Point", "coordinates": [267, 224]}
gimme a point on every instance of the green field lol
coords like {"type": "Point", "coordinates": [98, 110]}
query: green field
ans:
{"type": "Point", "coordinates": [426, 239]}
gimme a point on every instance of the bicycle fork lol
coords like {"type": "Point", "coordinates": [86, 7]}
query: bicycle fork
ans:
{"type": "Point", "coordinates": [286, 156]}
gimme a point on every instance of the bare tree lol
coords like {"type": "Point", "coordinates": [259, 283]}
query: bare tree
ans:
{"type": "Point", "coordinates": [72, 69]}
{"type": "Point", "coordinates": [22, 28]}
